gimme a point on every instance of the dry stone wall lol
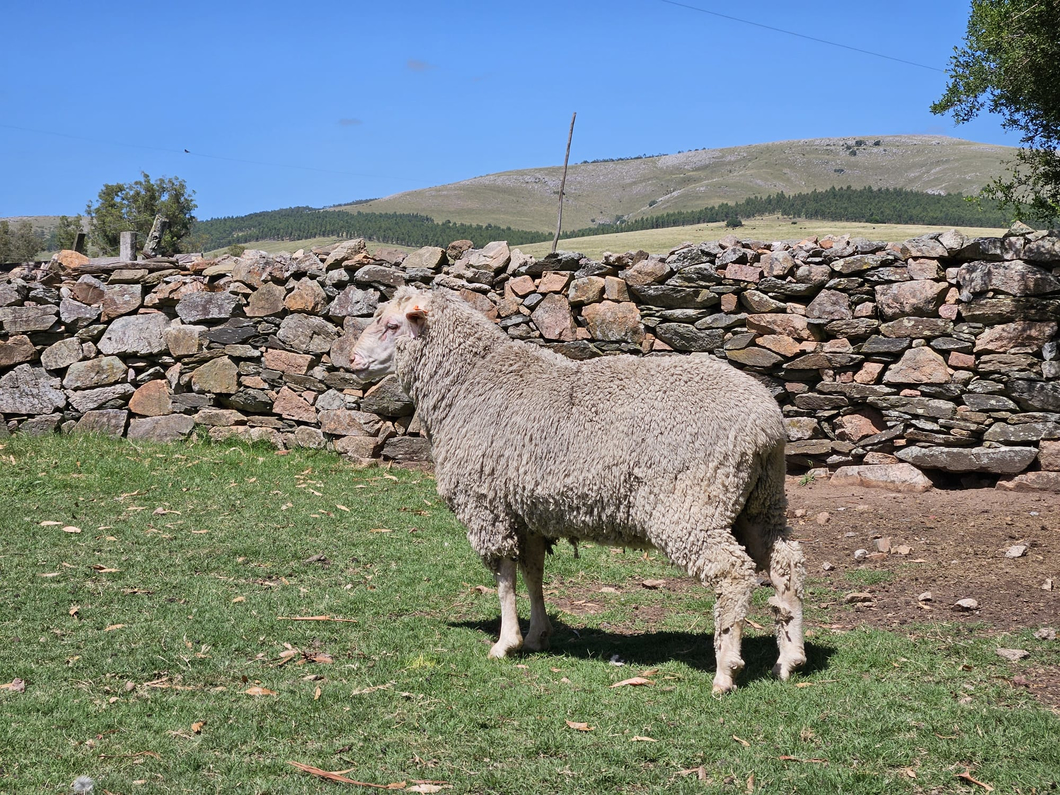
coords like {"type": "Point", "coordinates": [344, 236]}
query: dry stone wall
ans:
{"type": "Point", "coordinates": [939, 354]}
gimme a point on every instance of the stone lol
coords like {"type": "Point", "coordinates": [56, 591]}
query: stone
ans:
{"type": "Point", "coordinates": [388, 398]}
{"type": "Point", "coordinates": [307, 334]}
{"type": "Point", "coordinates": [995, 460]}
{"type": "Point", "coordinates": [1008, 363]}
{"type": "Point", "coordinates": [141, 335]}
{"type": "Point", "coordinates": [553, 318]}
{"type": "Point", "coordinates": [966, 605]}
{"type": "Point", "coordinates": [961, 361]}
{"type": "Point", "coordinates": [923, 269]}
{"type": "Point", "coordinates": [921, 298]}
{"type": "Point", "coordinates": [77, 315]}
{"type": "Point", "coordinates": [801, 428]}
{"type": "Point", "coordinates": [858, 425]}
{"type": "Point", "coordinates": [1049, 456]}
{"type": "Point", "coordinates": [406, 448]}
{"type": "Point", "coordinates": [553, 282]}
{"type": "Point", "coordinates": [169, 428]}
{"type": "Point", "coordinates": [43, 425]}
{"type": "Point", "coordinates": [741, 272]}
{"type": "Point", "coordinates": [218, 417]}
{"type": "Point", "coordinates": [989, 311]}
{"type": "Point", "coordinates": [381, 275]}
{"type": "Point", "coordinates": [754, 357]}
{"type": "Point", "coordinates": [615, 289]}
{"type": "Point", "coordinates": [93, 373]}
{"type": "Point", "coordinates": [779, 343]}
{"type": "Point", "coordinates": [430, 257]}
{"type": "Point", "coordinates": [266, 301]}
{"type": "Point", "coordinates": [89, 399]}
{"type": "Point", "coordinates": [307, 296]}
{"type": "Point", "coordinates": [182, 340]}
{"type": "Point", "coordinates": [1035, 395]}
{"type": "Point", "coordinates": [493, 257]}
{"type": "Point", "coordinates": [520, 286]}
{"type": "Point", "coordinates": [923, 247]}
{"type": "Point", "coordinates": [916, 328]}
{"type": "Point", "coordinates": [16, 350]}
{"type": "Point", "coordinates": [152, 399]}
{"type": "Point", "coordinates": [1017, 337]}
{"type": "Point", "coordinates": [868, 373]}
{"type": "Point", "coordinates": [292, 406]}
{"type": "Point", "coordinates": [354, 302]}
{"type": "Point", "coordinates": [830, 305]}
{"type": "Point", "coordinates": [346, 422]}
{"type": "Point", "coordinates": [794, 326]}
{"type": "Point", "coordinates": [62, 354]}
{"type": "Point", "coordinates": [30, 390]}
{"type": "Point", "coordinates": [121, 299]}
{"type": "Point", "coordinates": [586, 291]}
{"type": "Point", "coordinates": [198, 307]}
{"type": "Point", "coordinates": [978, 402]}
{"type": "Point", "coordinates": [479, 303]}
{"type": "Point", "coordinates": [108, 422]}
{"type": "Point", "coordinates": [683, 337]}
{"type": "Point", "coordinates": [609, 321]}
{"type": "Point", "coordinates": [668, 297]}
{"type": "Point", "coordinates": [915, 406]}
{"type": "Point", "coordinates": [33, 317]}
{"type": "Point", "coordinates": [286, 362]}
{"type": "Point", "coordinates": [358, 446]}
{"type": "Point", "coordinates": [345, 251]}
{"type": "Point", "coordinates": [860, 263]}
{"type": "Point", "coordinates": [1016, 278]}
{"type": "Point", "coordinates": [811, 401]}
{"type": "Point", "coordinates": [903, 478]}
{"type": "Point", "coordinates": [1022, 432]}
{"type": "Point", "coordinates": [918, 366]}
{"type": "Point", "coordinates": [218, 376]}
{"type": "Point", "coordinates": [1031, 481]}
{"type": "Point", "coordinates": [269, 436]}
{"type": "Point", "coordinates": [1045, 249]}
{"type": "Point", "coordinates": [646, 272]}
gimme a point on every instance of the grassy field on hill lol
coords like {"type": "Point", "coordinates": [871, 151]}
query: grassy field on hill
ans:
{"type": "Point", "coordinates": [152, 641]}
{"type": "Point", "coordinates": [598, 192]}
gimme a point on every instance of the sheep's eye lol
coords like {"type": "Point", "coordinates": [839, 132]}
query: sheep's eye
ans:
{"type": "Point", "coordinates": [393, 325]}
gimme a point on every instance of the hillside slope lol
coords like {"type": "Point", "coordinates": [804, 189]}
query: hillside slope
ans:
{"type": "Point", "coordinates": [598, 192]}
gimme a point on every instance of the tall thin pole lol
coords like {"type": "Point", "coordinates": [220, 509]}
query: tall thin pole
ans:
{"type": "Point", "coordinates": [563, 183]}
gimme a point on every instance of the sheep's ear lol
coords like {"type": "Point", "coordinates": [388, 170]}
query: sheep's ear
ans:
{"type": "Point", "coordinates": [417, 319]}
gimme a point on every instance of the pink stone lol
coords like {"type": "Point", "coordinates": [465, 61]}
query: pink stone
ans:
{"type": "Point", "coordinates": [287, 362]}
{"type": "Point", "coordinates": [961, 361]}
{"type": "Point", "coordinates": [892, 477]}
{"type": "Point", "coordinates": [918, 366]}
{"type": "Point", "coordinates": [743, 273]}
{"type": "Point", "coordinates": [554, 282]}
{"type": "Point", "coordinates": [868, 373]}
{"type": "Point", "coordinates": [521, 286]}
{"type": "Point", "coordinates": [152, 399]}
{"type": "Point", "coordinates": [293, 407]}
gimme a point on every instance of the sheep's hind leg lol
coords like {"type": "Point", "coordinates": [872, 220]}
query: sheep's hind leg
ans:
{"type": "Point", "coordinates": [511, 639]}
{"type": "Point", "coordinates": [787, 572]}
{"type": "Point", "coordinates": [532, 562]}
{"type": "Point", "coordinates": [730, 610]}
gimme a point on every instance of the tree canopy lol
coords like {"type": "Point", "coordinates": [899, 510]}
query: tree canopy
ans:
{"type": "Point", "coordinates": [19, 241]}
{"type": "Point", "coordinates": [124, 207]}
{"type": "Point", "coordinates": [1010, 65]}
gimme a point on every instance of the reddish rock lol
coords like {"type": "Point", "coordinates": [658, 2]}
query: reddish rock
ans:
{"type": "Point", "coordinates": [794, 326]}
{"type": "Point", "coordinates": [859, 424]}
{"type": "Point", "coordinates": [1031, 481]}
{"type": "Point", "coordinates": [554, 282]}
{"type": "Point", "coordinates": [868, 373]}
{"type": "Point", "coordinates": [923, 268]}
{"type": "Point", "coordinates": [553, 318]}
{"type": "Point", "coordinates": [586, 291]}
{"type": "Point", "coordinates": [70, 259]}
{"type": "Point", "coordinates": [729, 302]}
{"type": "Point", "coordinates": [1020, 337]}
{"type": "Point", "coordinates": [307, 296]}
{"type": "Point", "coordinates": [520, 286]}
{"type": "Point", "coordinates": [830, 305]}
{"type": "Point", "coordinates": [609, 321]}
{"type": "Point", "coordinates": [615, 289]}
{"type": "Point", "coordinates": [480, 302]}
{"type": "Point", "coordinates": [920, 298]}
{"type": "Point", "coordinates": [293, 407]}
{"type": "Point", "coordinates": [286, 361]}
{"type": "Point", "coordinates": [743, 273]}
{"type": "Point", "coordinates": [121, 299]}
{"type": "Point", "coordinates": [918, 366]}
{"type": "Point", "coordinates": [961, 361]}
{"type": "Point", "coordinates": [647, 272]}
{"type": "Point", "coordinates": [779, 343]}
{"type": "Point", "coordinates": [16, 350]}
{"type": "Point", "coordinates": [266, 300]}
{"type": "Point", "coordinates": [1049, 455]}
{"type": "Point", "coordinates": [152, 399]}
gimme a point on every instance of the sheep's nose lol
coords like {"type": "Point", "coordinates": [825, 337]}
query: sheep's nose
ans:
{"type": "Point", "coordinates": [358, 362]}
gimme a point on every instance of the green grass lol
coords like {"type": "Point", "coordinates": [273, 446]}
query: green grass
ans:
{"type": "Point", "coordinates": [171, 603]}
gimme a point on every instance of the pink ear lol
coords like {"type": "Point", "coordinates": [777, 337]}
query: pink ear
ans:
{"type": "Point", "coordinates": [417, 319]}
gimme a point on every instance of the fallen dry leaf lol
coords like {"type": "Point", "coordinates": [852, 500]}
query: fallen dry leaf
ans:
{"type": "Point", "coordinates": [380, 530]}
{"type": "Point", "coordinates": [753, 624]}
{"type": "Point", "coordinates": [797, 759]}
{"type": "Point", "coordinates": [639, 739]}
{"type": "Point", "coordinates": [634, 681]}
{"type": "Point", "coordinates": [341, 779]}
{"type": "Point", "coordinates": [260, 691]}
{"type": "Point", "coordinates": [113, 627]}
{"type": "Point", "coordinates": [74, 610]}
{"type": "Point", "coordinates": [582, 727]}
{"type": "Point", "coordinates": [71, 529]}
{"type": "Point", "coordinates": [741, 741]}
{"type": "Point", "coordinates": [16, 685]}
{"type": "Point", "coordinates": [102, 569]}
{"type": "Point", "coordinates": [342, 507]}
{"type": "Point", "coordinates": [428, 786]}
{"type": "Point", "coordinates": [197, 726]}
{"type": "Point", "coordinates": [316, 694]}
{"type": "Point", "coordinates": [239, 599]}
{"type": "Point", "coordinates": [315, 618]}
{"type": "Point", "coordinates": [967, 776]}
{"type": "Point", "coordinates": [49, 523]}
{"type": "Point", "coordinates": [372, 689]}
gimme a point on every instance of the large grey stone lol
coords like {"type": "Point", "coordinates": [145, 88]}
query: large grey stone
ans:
{"type": "Point", "coordinates": [89, 399]}
{"type": "Point", "coordinates": [830, 305]}
{"type": "Point", "coordinates": [990, 311]}
{"type": "Point", "coordinates": [110, 422]}
{"type": "Point", "coordinates": [996, 460]}
{"type": "Point", "coordinates": [921, 298]}
{"type": "Point", "coordinates": [354, 302]}
{"type": "Point", "coordinates": [1035, 395]}
{"type": "Point", "coordinates": [918, 366]}
{"type": "Point", "coordinates": [683, 337]}
{"type": "Point", "coordinates": [135, 334]}
{"type": "Point", "coordinates": [76, 314]}
{"type": "Point", "coordinates": [33, 317]}
{"type": "Point", "coordinates": [346, 422]}
{"type": "Point", "coordinates": [387, 398]}
{"type": "Point", "coordinates": [266, 300]}
{"type": "Point", "coordinates": [61, 354]}
{"type": "Point", "coordinates": [668, 297]}
{"type": "Point", "coordinates": [30, 390]}
{"type": "Point", "coordinates": [430, 257]}
{"type": "Point", "coordinates": [121, 299]}
{"type": "Point", "coordinates": [1022, 432]}
{"type": "Point", "coordinates": [169, 428]}
{"type": "Point", "coordinates": [198, 307]}
{"type": "Point", "coordinates": [94, 373]}
{"type": "Point", "coordinates": [407, 448]}
{"type": "Point", "coordinates": [307, 334]}
{"type": "Point", "coordinates": [1016, 278]}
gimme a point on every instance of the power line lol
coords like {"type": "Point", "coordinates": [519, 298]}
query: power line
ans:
{"type": "Point", "coordinates": [802, 36]}
{"type": "Point", "coordinates": [201, 154]}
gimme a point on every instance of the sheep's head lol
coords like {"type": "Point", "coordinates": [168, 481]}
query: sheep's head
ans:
{"type": "Point", "coordinates": [404, 317]}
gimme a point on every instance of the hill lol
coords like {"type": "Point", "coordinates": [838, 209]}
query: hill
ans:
{"type": "Point", "coordinates": [599, 192]}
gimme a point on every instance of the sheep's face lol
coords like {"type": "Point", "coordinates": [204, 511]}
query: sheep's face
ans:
{"type": "Point", "coordinates": [403, 317]}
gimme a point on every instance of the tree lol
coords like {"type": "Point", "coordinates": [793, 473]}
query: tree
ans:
{"type": "Point", "coordinates": [132, 207]}
{"type": "Point", "coordinates": [19, 242]}
{"type": "Point", "coordinates": [1010, 65]}
{"type": "Point", "coordinates": [65, 233]}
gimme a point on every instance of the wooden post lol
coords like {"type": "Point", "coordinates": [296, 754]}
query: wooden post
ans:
{"type": "Point", "coordinates": [79, 242]}
{"type": "Point", "coordinates": [563, 183]}
{"type": "Point", "coordinates": [128, 247]}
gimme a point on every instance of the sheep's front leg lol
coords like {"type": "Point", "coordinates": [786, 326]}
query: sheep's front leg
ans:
{"type": "Point", "coordinates": [787, 572]}
{"type": "Point", "coordinates": [511, 639]}
{"type": "Point", "coordinates": [533, 565]}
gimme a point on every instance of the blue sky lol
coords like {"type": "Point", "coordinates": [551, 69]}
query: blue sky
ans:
{"type": "Point", "coordinates": [318, 103]}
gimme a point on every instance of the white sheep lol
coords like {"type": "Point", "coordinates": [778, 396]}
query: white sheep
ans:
{"type": "Point", "coordinates": [683, 454]}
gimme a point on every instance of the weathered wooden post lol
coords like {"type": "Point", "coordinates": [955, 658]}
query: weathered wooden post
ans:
{"type": "Point", "coordinates": [127, 252]}
{"type": "Point", "coordinates": [79, 242]}
{"type": "Point", "coordinates": [563, 184]}
{"type": "Point", "coordinates": [154, 238]}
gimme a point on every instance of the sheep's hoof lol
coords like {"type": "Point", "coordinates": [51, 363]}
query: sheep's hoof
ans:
{"type": "Point", "coordinates": [502, 649]}
{"type": "Point", "coordinates": [722, 685]}
{"type": "Point", "coordinates": [782, 670]}
{"type": "Point", "coordinates": [538, 643]}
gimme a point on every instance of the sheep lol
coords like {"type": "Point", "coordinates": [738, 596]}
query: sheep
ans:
{"type": "Point", "coordinates": [684, 454]}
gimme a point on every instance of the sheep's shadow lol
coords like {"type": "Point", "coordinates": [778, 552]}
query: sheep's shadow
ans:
{"type": "Point", "coordinates": [695, 649]}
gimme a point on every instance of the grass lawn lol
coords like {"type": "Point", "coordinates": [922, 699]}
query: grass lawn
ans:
{"type": "Point", "coordinates": [148, 597]}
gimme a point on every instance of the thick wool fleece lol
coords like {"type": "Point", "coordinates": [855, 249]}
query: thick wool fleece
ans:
{"type": "Point", "coordinates": [622, 450]}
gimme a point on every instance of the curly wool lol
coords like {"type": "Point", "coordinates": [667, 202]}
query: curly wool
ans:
{"type": "Point", "coordinates": [620, 450]}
